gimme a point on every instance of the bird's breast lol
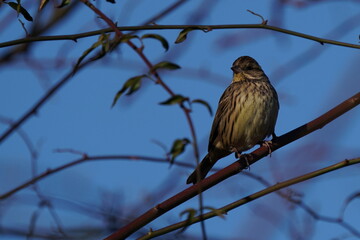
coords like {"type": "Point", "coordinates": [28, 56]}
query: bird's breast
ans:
{"type": "Point", "coordinates": [254, 116]}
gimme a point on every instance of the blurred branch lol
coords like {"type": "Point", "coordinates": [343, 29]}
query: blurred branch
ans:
{"type": "Point", "coordinates": [224, 210]}
{"type": "Point", "coordinates": [83, 159]}
{"type": "Point", "coordinates": [76, 233]}
{"type": "Point", "coordinates": [235, 168]}
{"type": "Point", "coordinates": [74, 37]}
{"type": "Point", "coordinates": [166, 11]}
{"type": "Point", "coordinates": [307, 56]}
{"type": "Point", "coordinates": [25, 138]}
{"type": "Point", "coordinates": [33, 110]}
{"type": "Point", "coordinates": [38, 28]}
{"type": "Point", "coordinates": [43, 202]}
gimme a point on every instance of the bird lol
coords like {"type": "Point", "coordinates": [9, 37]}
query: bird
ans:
{"type": "Point", "coordinates": [246, 114]}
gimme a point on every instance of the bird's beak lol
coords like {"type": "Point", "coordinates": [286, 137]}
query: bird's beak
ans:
{"type": "Point", "coordinates": [236, 69]}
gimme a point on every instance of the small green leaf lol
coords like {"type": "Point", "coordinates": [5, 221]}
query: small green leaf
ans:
{"type": "Point", "coordinates": [105, 42]}
{"type": "Point", "coordinates": [133, 84]}
{"type": "Point", "coordinates": [17, 7]}
{"type": "Point", "coordinates": [163, 41]}
{"type": "Point", "coordinates": [191, 212]}
{"type": "Point", "coordinates": [178, 147]}
{"type": "Point", "coordinates": [165, 65]}
{"type": "Point", "coordinates": [64, 3]}
{"type": "Point", "coordinates": [206, 104]}
{"type": "Point", "coordinates": [127, 37]}
{"type": "Point", "coordinates": [183, 35]}
{"type": "Point", "coordinates": [174, 100]}
{"type": "Point", "coordinates": [42, 4]}
{"type": "Point", "coordinates": [102, 40]}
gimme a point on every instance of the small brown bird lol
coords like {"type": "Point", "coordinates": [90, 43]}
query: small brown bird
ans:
{"type": "Point", "coordinates": [246, 115]}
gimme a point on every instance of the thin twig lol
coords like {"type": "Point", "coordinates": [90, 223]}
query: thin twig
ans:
{"type": "Point", "coordinates": [263, 21]}
{"type": "Point", "coordinates": [84, 158]}
{"type": "Point", "coordinates": [33, 110]}
{"type": "Point", "coordinates": [74, 37]}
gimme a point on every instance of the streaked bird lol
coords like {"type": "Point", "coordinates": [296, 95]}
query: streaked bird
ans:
{"type": "Point", "coordinates": [245, 116]}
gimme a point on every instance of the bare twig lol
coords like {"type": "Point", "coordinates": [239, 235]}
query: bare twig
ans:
{"type": "Point", "coordinates": [263, 21]}
{"type": "Point", "coordinates": [33, 110]}
{"type": "Point", "coordinates": [83, 159]}
{"type": "Point", "coordinates": [74, 37]}
{"type": "Point", "coordinates": [43, 201]}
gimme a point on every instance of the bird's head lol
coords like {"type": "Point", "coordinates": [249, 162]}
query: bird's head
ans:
{"type": "Point", "coordinates": [246, 68]}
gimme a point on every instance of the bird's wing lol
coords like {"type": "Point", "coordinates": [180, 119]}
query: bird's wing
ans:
{"type": "Point", "coordinates": [224, 103]}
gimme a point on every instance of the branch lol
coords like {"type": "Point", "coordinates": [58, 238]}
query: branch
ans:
{"type": "Point", "coordinates": [74, 37]}
{"type": "Point", "coordinates": [262, 193]}
{"type": "Point", "coordinates": [83, 159]}
{"type": "Point", "coordinates": [33, 110]}
{"type": "Point", "coordinates": [40, 27]}
{"type": "Point", "coordinates": [234, 168]}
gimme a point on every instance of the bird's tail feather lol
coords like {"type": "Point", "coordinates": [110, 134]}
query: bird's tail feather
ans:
{"type": "Point", "coordinates": [201, 170]}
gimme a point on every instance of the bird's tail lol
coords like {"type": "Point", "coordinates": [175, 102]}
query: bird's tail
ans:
{"type": "Point", "coordinates": [201, 170]}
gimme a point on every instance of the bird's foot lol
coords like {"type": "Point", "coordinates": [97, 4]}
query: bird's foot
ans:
{"type": "Point", "coordinates": [247, 158]}
{"type": "Point", "coordinates": [267, 144]}
{"type": "Point", "coordinates": [237, 153]}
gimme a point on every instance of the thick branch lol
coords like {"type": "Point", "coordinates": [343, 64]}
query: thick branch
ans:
{"type": "Point", "coordinates": [234, 168]}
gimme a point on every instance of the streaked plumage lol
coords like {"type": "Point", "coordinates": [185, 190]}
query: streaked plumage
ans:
{"type": "Point", "coordinates": [246, 115]}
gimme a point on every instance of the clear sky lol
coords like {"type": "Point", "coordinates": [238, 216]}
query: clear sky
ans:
{"type": "Point", "coordinates": [310, 79]}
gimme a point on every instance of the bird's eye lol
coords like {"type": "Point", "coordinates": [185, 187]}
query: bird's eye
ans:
{"type": "Point", "coordinates": [248, 68]}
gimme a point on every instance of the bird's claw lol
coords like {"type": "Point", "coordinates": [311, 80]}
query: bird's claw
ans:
{"type": "Point", "coordinates": [268, 145]}
{"type": "Point", "coordinates": [246, 159]}
{"type": "Point", "coordinates": [237, 153]}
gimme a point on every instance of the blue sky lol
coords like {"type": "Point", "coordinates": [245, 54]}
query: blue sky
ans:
{"type": "Point", "coordinates": [80, 117]}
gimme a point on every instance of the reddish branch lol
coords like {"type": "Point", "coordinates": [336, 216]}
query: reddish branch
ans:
{"type": "Point", "coordinates": [234, 168]}
{"type": "Point", "coordinates": [274, 188]}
